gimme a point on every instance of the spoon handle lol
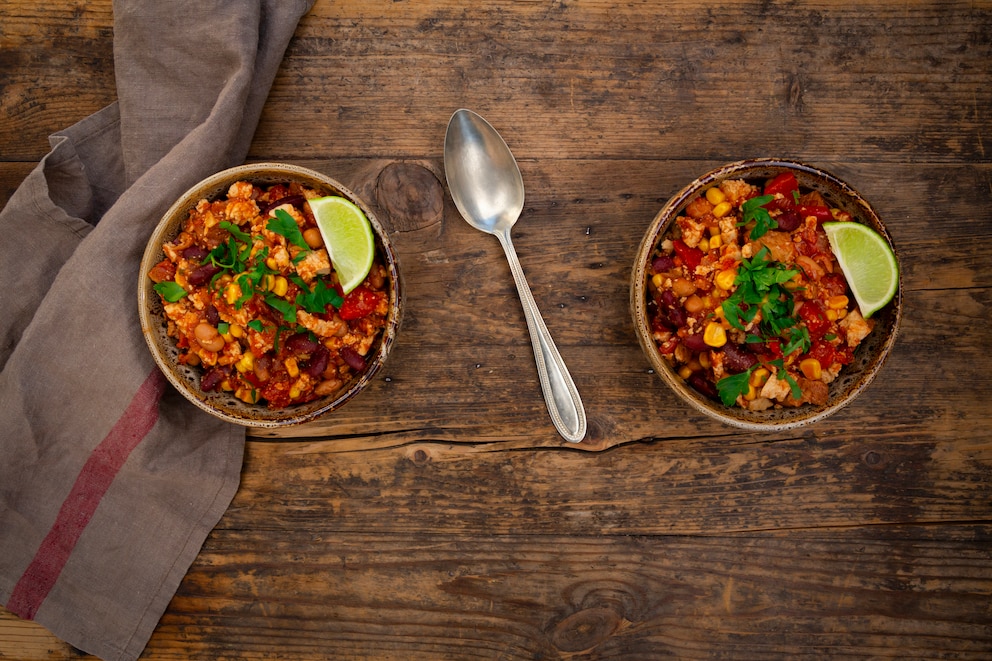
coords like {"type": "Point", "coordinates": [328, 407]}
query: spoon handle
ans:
{"type": "Point", "coordinates": [560, 393]}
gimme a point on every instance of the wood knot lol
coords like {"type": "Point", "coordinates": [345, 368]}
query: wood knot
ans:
{"type": "Point", "coordinates": [411, 195]}
{"type": "Point", "coordinates": [585, 629]}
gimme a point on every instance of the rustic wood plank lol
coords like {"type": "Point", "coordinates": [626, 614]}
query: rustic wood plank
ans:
{"type": "Point", "coordinates": [714, 484]}
{"type": "Point", "coordinates": [591, 79]}
{"type": "Point", "coordinates": [56, 67]}
{"type": "Point", "coordinates": [883, 593]}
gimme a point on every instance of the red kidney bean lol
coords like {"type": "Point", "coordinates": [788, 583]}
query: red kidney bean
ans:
{"type": "Point", "coordinates": [677, 316]}
{"type": "Point", "coordinates": [668, 299]}
{"type": "Point", "coordinates": [317, 363]}
{"type": "Point", "coordinates": [788, 221]}
{"type": "Point", "coordinates": [212, 379]}
{"type": "Point", "coordinates": [202, 274]}
{"type": "Point", "coordinates": [662, 263]}
{"type": "Point", "coordinates": [295, 200]}
{"type": "Point", "coordinates": [736, 358]}
{"type": "Point", "coordinates": [695, 343]}
{"type": "Point", "coordinates": [212, 316]}
{"type": "Point", "coordinates": [195, 253]}
{"type": "Point", "coordinates": [353, 358]}
{"type": "Point", "coordinates": [699, 381]}
{"type": "Point", "coordinates": [302, 343]}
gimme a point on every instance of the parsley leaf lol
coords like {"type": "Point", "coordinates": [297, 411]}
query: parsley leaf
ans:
{"type": "Point", "coordinates": [316, 301]}
{"type": "Point", "coordinates": [284, 225]}
{"type": "Point", "coordinates": [753, 210]}
{"type": "Point", "coordinates": [170, 290]}
{"type": "Point", "coordinates": [256, 325]}
{"type": "Point", "coordinates": [730, 387]}
{"type": "Point", "coordinates": [287, 309]}
{"type": "Point", "coordinates": [235, 231]}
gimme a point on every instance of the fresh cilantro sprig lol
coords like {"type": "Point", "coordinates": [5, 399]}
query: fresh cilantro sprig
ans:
{"type": "Point", "coordinates": [316, 300]}
{"type": "Point", "coordinates": [284, 225]}
{"type": "Point", "coordinates": [753, 210]}
{"type": "Point", "coordinates": [760, 288]}
{"type": "Point", "coordinates": [170, 291]}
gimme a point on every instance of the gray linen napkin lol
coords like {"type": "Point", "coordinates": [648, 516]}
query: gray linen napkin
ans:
{"type": "Point", "coordinates": [109, 480]}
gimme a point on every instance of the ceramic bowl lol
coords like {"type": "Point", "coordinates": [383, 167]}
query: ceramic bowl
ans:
{"type": "Point", "coordinates": [186, 378]}
{"type": "Point", "coordinates": [868, 357]}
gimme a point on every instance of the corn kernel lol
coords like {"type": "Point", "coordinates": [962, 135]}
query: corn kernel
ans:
{"type": "Point", "coordinates": [704, 244]}
{"type": "Point", "coordinates": [281, 286]}
{"type": "Point", "coordinates": [294, 391]}
{"type": "Point", "coordinates": [685, 372]}
{"type": "Point", "coordinates": [657, 280]}
{"type": "Point", "coordinates": [246, 363]}
{"type": "Point", "coordinates": [831, 315]}
{"type": "Point", "coordinates": [291, 367]}
{"type": "Point", "coordinates": [232, 293]}
{"type": "Point", "coordinates": [247, 395]}
{"type": "Point", "coordinates": [715, 195]}
{"type": "Point", "coordinates": [715, 241]}
{"type": "Point", "coordinates": [811, 368]}
{"type": "Point", "coordinates": [759, 377]}
{"type": "Point", "coordinates": [704, 360]}
{"type": "Point", "coordinates": [722, 209]}
{"type": "Point", "coordinates": [752, 393]}
{"type": "Point", "coordinates": [714, 335]}
{"type": "Point", "coordinates": [226, 385]}
{"type": "Point", "coordinates": [714, 231]}
{"type": "Point", "coordinates": [272, 263]}
{"type": "Point", "coordinates": [837, 302]}
{"type": "Point", "coordinates": [725, 279]}
{"type": "Point", "coordinates": [236, 331]}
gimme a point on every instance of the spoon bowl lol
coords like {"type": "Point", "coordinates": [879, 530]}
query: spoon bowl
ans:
{"type": "Point", "coordinates": [488, 190]}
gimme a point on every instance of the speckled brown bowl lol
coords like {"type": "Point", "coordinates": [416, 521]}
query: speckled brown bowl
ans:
{"type": "Point", "coordinates": [868, 357]}
{"type": "Point", "coordinates": [186, 379]}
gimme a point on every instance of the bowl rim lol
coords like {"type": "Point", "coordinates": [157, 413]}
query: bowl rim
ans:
{"type": "Point", "coordinates": [151, 324]}
{"type": "Point", "coordinates": [659, 226]}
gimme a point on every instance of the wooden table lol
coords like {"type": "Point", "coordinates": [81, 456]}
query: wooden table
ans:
{"type": "Point", "coordinates": [439, 515]}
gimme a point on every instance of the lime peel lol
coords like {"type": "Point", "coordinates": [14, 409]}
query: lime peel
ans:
{"type": "Point", "coordinates": [348, 238]}
{"type": "Point", "coordinates": [867, 261]}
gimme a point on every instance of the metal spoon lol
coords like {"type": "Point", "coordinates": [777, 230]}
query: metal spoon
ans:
{"type": "Point", "coordinates": [487, 188]}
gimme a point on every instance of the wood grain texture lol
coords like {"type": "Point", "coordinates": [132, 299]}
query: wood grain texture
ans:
{"type": "Point", "coordinates": [439, 515]}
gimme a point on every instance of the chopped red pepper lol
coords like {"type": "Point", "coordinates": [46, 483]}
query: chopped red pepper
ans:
{"type": "Point", "coordinates": [360, 302]}
{"type": "Point", "coordinates": [785, 184]}
{"type": "Point", "coordinates": [691, 257]}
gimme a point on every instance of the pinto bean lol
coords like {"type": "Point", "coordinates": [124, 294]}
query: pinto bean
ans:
{"type": "Point", "coordinates": [208, 337]}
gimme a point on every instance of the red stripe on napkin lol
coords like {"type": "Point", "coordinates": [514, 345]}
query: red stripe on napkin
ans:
{"type": "Point", "coordinates": [94, 479]}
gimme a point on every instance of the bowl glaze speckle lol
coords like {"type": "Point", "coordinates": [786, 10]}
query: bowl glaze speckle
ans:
{"type": "Point", "coordinates": [186, 379]}
{"type": "Point", "coordinates": [868, 357]}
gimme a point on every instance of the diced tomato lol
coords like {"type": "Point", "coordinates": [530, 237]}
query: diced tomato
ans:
{"type": "Point", "coordinates": [360, 302]}
{"type": "Point", "coordinates": [812, 314]}
{"type": "Point", "coordinates": [823, 352]}
{"type": "Point", "coordinates": [785, 184]}
{"type": "Point", "coordinates": [822, 214]}
{"type": "Point", "coordinates": [691, 257]}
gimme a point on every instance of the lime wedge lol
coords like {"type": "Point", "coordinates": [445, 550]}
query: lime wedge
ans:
{"type": "Point", "coordinates": [348, 238]}
{"type": "Point", "coordinates": [868, 264]}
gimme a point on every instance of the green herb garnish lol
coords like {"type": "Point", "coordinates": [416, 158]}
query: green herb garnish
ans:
{"type": "Point", "coordinates": [256, 325]}
{"type": "Point", "coordinates": [730, 387]}
{"type": "Point", "coordinates": [235, 231]}
{"type": "Point", "coordinates": [284, 225]}
{"type": "Point", "coordinates": [759, 289]}
{"type": "Point", "coordinates": [170, 291]}
{"type": "Point", "coordinates": [223, 327]}
{"type": "Point", "coordinates": [317, 300]}
{"type": "Point", "coordinates": [287, 309]}
{"type": "Point", "coordinates": [753, 210]}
